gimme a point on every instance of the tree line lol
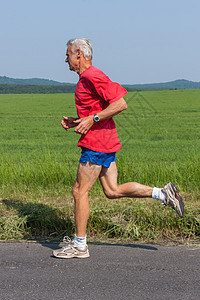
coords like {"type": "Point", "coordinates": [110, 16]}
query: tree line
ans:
{"type": "Point", "coordinates": [35, 89]}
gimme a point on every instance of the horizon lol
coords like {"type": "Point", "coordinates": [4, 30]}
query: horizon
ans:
{"type": "Point", "coordinates": [150, 83]}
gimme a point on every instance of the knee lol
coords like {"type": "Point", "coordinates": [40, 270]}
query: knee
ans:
{"type": "Point", "coordinates": [78, 192]}
{"type": "Point", "coordinates": [111, 194]}
{"type": "Point", "coordinates": [75, 190]}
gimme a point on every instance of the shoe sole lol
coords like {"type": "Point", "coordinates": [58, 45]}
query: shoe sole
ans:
{"type": "Point", "coordinates": [87, 255]}
{"type": "Point", "coordinates": [178, 197]}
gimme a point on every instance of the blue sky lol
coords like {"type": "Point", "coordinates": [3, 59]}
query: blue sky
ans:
{"type": "Point", "coordinates": [143, 41]}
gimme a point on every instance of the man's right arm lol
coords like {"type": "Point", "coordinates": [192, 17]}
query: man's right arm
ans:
{"type": "Point", "coordinates": [84, 124]}
{"type": "Point", "coordinates": [68, 122]}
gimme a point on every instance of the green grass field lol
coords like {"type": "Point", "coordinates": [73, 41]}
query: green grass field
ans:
{"type": "Point", "coordinates": [160, 142]}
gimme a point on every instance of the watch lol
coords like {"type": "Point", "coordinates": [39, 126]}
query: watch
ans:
{"type": "Point", "coordinates": [96, 118]}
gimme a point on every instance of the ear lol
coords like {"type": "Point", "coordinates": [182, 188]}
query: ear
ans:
{"type": "Point", "coordinates": [78, 53]}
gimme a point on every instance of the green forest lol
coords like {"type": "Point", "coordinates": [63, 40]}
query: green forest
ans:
{"type": "Point", "coordinates": [35, 89]}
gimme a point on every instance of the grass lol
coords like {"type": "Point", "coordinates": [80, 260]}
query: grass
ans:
{"type": "Point", "coordinates": [160, 142]}
{"type": "Point", "coordinates": [125, 219]}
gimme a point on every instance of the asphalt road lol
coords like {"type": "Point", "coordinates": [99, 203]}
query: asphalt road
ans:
{"type": "Point", "coordinates": [138, 271]}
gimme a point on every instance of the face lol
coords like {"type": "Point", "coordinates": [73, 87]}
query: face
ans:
{"type": "Point", "coordinates": [72, 60]}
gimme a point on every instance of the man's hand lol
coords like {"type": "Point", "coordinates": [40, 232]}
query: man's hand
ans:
{"type": "Point", "coordinates": [84, 124]}
{"type": "Point", "coordinates": [68, 122]}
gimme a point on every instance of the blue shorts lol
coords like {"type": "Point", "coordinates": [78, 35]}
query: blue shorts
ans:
{"type": "Point", "coordinates": [97, 158]}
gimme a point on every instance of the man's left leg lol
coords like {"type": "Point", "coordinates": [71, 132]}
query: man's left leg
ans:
{"type": "Point", "coordinates": [86, 176]}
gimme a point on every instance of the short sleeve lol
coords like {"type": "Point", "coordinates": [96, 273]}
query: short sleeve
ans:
{"type": "Point", "coordinates": [108, 90]}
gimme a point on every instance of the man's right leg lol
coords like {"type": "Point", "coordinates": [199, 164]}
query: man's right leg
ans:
{"type": "Point", "coordinates": [113, 190]}
{"type": "Point", "coordinates": [168, 194]}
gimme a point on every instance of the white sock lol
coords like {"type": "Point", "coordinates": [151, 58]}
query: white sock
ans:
{"type": "Point", "coordinates": [80, 242]}
{"type": "Point", "coordinates": [158, 194]}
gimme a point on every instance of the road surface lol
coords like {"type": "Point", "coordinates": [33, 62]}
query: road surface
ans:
{"type": "Point", "coordinates": [135, 271]}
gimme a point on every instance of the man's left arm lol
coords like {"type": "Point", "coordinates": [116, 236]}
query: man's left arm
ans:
{"type": "Point", "coordinates": [84, 124]}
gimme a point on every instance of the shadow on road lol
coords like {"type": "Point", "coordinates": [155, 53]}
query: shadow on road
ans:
{"type": "Point", "coordinates": [55, 246]}
{"type": "Point", "coordinates": [141, 246]}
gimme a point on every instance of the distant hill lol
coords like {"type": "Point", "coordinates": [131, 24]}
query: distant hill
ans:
{"type": "Point", "coordinates": [31, 81]}
{"type": "Point", "coordinates": [37, 85]}
{"type": "Point", "coordinates": [177, 84]}
{"type": "Point", "coordinates": [34, 86]}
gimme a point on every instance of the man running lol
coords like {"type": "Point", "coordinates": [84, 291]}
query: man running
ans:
{"type": "Point", "coordinates": [98, 100]}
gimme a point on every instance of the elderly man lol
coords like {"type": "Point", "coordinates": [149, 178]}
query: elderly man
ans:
{"type": "Point", "coordinates": [98, 100]}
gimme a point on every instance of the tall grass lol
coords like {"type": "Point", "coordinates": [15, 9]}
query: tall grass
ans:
{"type": "Point", "coordinates": [47, 172]}
{"type": "Point", "coordinates": [186, 175]}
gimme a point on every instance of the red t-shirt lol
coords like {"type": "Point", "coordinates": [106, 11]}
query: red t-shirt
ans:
{"type": "Point", "coordinates": [94, 92]}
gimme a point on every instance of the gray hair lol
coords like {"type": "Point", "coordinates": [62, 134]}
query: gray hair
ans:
{"type": "Point", "coordinates": [84, 45]}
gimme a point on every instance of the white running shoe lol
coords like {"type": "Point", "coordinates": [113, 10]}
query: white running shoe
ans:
{"type": "Point", "coordinates": [173, 198]}
{"type": "Point", "coordinates": [70, 251]}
